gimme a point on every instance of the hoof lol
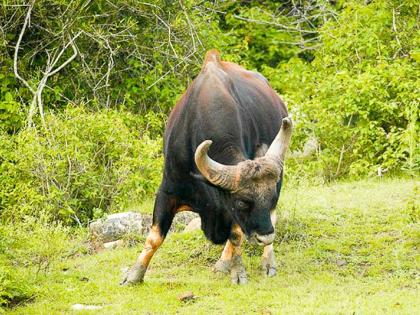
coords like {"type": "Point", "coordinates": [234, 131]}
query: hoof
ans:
{"type": "Point", "coordinates": [238, 276]}
{"type": "Point", "coordinates": [268, 267]}
{"type": "Point", "coordinates": [222, 266]}
{"type": "Point", "coordinates": [238, 272]}
{"type": "Point", "coordinates": [134, 276]}
{"type": "Point", "coordinates": [269, 271]}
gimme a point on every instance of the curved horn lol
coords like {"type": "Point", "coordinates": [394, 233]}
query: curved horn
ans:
{"type": "Point", "coordinates": [224, 176]}
{"type": "Point", "coordinates": [280, 144]}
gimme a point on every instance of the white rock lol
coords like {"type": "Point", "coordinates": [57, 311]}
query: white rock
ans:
{"type": "Point", "coordinates": [114, 244]}
{"type": "Point", "coordinates": [118, 225]}
{"type": "Point", "coordinates": [195, 224]}
{"type": "Point", "coordinates": [115, 226]}
{"type": "Point", "coordinates": [82, 307]}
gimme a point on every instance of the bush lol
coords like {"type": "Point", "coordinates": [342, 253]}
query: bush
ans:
{"type": "Point", "coordinates": [14, 287]}
{"type": "Point", "coordinates": [39, 241]}
{"type": "Point", "coordinates": [359, 95]}
{"type": "Point", "coordinates": [86, 164]}
{"type": "Point", "coordinates": [28, 248]}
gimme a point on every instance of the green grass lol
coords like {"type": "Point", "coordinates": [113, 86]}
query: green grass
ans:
{"type": "Point", "coordinates": [145, 207]}
{"type": "Point", "coordinates": [346, 248]}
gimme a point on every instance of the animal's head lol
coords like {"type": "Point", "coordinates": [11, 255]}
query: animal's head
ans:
{"type": "Point", "coordinates": [251, 184]}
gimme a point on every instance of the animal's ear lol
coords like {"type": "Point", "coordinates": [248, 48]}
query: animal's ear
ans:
{"type": "Point", "coordinates": [261, 150]}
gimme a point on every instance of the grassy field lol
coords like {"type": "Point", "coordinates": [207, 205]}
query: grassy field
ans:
{"type": "Point", "coordinates": [345, 248]}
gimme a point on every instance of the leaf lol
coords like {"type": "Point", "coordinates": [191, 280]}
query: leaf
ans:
{"type": "Point", "coordinates": [8, 97]}
{"type": "Point", "coordinates": [415, 55]}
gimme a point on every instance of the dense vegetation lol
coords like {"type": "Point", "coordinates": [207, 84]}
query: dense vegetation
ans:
{"type": "Point", "coordinates": [86, 86]}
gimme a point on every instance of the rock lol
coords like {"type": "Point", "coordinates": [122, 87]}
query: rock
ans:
{"type": "Point", "coordinates": [82, 307]}
{"type": "Point", "coordinates": [109, 231]}
{"type": "Point", "coordinates": [117, 225]}
{"type": "Point", "coordinates": [195, 224]}
{"type": "Point", "coordinates": [181, 220]}
{"type": "Point", "coordinates": [186, 296]}
{"type": "Point", "coordinates": [114, 244]}
{"type": "Point", "coordinates": [341, 262]}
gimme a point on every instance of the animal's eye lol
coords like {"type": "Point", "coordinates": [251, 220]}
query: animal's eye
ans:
{"type": "Point", "coordinates": [242, 205]}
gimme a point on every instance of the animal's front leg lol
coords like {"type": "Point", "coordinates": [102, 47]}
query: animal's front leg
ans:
{"type": "Point", "coordinates": [268, 261]}
{"type": "Point", "coordinates": [231, 259]}
{"type": "Point", "coordinates": [224, 263]}
{"type": "Point", "coordinates": [163, 214]}
{"type": "Point", "coordinates": [136, 273]}
{"type": "Point", "coordinates": [237, 272]}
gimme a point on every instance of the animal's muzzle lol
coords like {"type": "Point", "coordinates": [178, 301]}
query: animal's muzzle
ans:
{"type": "Point", "coordinates": [264, 239]}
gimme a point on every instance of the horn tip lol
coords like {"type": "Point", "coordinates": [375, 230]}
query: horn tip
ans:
{"type": "Point", "coordinates": [203, 148]}
{"type": "Point", "coordinates": [287, 123]}
{"type": "Point", "coordinates": [205, 145]}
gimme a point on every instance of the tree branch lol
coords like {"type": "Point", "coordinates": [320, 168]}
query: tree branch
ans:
{"type": "Point", "coordinates": [285, 27]}
{"type": "Point", "coordinates": [65, 63]}
{"type": "Point", "coordinates": [15, 57]}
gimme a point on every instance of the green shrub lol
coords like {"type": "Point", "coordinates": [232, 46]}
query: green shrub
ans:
{"type": "Point", "coordinates": [27, 249]}
{"type": "Point", "coordinates": [12, 116]}
{"type": "Point", "coordinates": [86, 164]}
{"type": "Point", "coordinates": [40, 241]}
{"type": "Point", "coordinates": [14, 286]}
{"type": "Point", "coordinates": [359, 96]}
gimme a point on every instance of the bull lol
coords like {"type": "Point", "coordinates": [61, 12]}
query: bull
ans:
{"type": "Point", "coordinates": [224, 147]}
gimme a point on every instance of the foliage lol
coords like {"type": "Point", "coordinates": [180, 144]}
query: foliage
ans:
{"type": "Point", "coordinates": [133, 54]}
{"type": "Point", "coordinates": [14, 287]}
{"type": "Point", "coordinates": [84, 165]}
{"type": "Point", "coordinates": [11, 111]}
{"type": "Point", "coordinates": [359, 96]}
{"type": "Point", "coordinates": [29, 247]}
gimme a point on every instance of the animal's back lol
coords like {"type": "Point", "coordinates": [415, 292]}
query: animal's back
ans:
{"type": "Point", "coordinates": [228, 104]}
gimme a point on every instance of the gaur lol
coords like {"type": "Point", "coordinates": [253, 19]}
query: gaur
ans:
{"type": "Point", "coordinates": [224, 147]}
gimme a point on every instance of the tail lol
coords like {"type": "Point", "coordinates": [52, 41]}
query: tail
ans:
{"type": "Point", "coordinates": [212, 55]}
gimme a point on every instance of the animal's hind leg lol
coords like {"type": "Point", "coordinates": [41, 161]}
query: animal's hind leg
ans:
{"type": "Point", "coordinates": [163, 214]}
{"type": "Point", "coordinates": [268, 262]}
